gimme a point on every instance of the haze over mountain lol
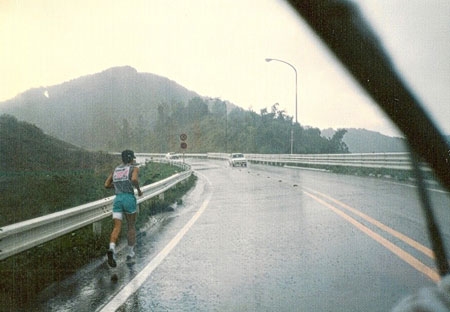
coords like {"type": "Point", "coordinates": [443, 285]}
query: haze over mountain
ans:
{"type": "Point", "coordinates": [86, 110]}
{"type": "Point", "coordinates": [366, 141]}
{"type": "Point", "coordinates": [94, 111]}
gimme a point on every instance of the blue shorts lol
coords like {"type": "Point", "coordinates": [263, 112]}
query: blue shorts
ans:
{"type": "Point", "coordinates": [124, 203]}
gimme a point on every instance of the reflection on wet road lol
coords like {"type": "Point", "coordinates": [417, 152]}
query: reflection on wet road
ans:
{"type": "Point", "coordinates": [271, 239]}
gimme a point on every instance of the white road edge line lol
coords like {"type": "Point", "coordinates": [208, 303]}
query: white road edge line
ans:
{"type": "Point", "coordinates": [121, 297]}
{"type": "Point", "coordinates": [415, 186]}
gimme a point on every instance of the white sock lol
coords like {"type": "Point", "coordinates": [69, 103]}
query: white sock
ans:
{"type": "Point", "coordinates": [112, 246]}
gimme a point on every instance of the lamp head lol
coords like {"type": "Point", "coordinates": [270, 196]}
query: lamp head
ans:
{"type": "Point", "coordinates": [268, 59]}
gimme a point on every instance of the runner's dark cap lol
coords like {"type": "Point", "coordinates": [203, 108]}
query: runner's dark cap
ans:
{"type": "Point", "coordinates": [128, 156]}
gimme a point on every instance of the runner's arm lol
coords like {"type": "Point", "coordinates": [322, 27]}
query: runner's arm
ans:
{"type": "Point", "coordinates": [108, 182]}
{"type": "Point", "coordinates": [135, 181]}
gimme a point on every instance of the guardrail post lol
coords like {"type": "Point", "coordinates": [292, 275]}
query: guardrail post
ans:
{"type": "Point", "coordinates": [161, 196]}
{"type": "Point", "coordinates": [97, 228]}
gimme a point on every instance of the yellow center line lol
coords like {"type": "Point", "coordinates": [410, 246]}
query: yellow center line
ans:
{"type": "Point", "coordinates": [408, 258]}
{"type": "Point", "coordinates": [427, 251]}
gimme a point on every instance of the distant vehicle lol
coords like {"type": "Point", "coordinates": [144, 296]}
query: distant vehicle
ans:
{"type": "Point", "coordinates": [237, 159]}
{"type": "Point", "coordinates": [171, 156]}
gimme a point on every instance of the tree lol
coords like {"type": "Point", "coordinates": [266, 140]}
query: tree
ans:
{"type": "Point", "coordinates": [219, 108]}
{"type": "Point", "coordinates": [125, 135]}
{"type": "Point", "coordinates": [161, 128]}
{"type": "Point", "coordinates": [337, 145]}
{"type": "Point", "coordinates": [196, 109]}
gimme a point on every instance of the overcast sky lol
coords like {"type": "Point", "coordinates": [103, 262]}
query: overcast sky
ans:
{"type": "Point", "coordinates": [217, 48]}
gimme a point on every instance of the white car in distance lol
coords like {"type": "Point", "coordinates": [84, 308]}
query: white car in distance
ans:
{"type": "Point", "coordinates": [237, 159]}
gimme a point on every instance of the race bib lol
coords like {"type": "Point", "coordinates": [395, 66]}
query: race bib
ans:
{"type": "Point", "coordinates": [121, 174]}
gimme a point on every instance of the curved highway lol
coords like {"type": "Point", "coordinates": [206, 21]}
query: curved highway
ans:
{"type": "Point", "coordinates": [267, 238]}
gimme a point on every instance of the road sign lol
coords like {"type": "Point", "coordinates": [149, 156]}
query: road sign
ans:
{"type": "Point", "coordinates": [183, 145]}
{"type": "Point", "coordinates": [183, 137]}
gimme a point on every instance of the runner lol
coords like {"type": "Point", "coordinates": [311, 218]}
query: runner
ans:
{"type": "Point", "coordinates": [123, 179]}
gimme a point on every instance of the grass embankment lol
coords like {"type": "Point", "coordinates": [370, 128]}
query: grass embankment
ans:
{"type": "Point", "coordinates": [25, 274]}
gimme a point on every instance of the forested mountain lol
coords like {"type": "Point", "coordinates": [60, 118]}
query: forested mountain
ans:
{"type": "Point", "coordinates": [89, 111]}
{"type": "Point", "coordinates": [121, 108]}
{"type": "Point", "coordinates": [365, 141]}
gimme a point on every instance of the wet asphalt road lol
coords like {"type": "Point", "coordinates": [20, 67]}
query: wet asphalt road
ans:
{"type": "Point", "coordinates": [269, 240]}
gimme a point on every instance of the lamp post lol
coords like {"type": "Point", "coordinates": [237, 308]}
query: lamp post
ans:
{"type": "Point", "coordinates": [226, 128]}
{"type": "Point", "coordinates": [296, 121]}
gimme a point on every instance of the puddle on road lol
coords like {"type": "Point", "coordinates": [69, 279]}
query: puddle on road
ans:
{"type": "Point", "coordinates": [202, 168]}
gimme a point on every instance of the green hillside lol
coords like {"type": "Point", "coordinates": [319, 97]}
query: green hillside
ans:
{"type": "Point", "coordinates": [25, 148]}
{"type": "Point", "coordinates": [40, 174]}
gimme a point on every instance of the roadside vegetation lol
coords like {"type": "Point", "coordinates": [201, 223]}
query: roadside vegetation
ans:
{"type": "Point", "coordinates": [213, 126]}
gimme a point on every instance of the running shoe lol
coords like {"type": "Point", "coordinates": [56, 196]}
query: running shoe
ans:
{"type": "Point", "coordinates": [111, 258]}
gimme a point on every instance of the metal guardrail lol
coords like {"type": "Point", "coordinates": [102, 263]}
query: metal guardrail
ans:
{"type": "Point", "coordinates": [152, 156]}
{"type": "Point", "coordinates": [24, 235]}
{"type": "Point", "coordinates": [398, 161]}
{"type": "Point", "coordinates": [27, 234]}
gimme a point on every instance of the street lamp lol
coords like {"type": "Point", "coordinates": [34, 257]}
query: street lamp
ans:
{"type": "Point", "coordinates": [226, 128]}
{"type": "Point", "coordinates": [296, 121]}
